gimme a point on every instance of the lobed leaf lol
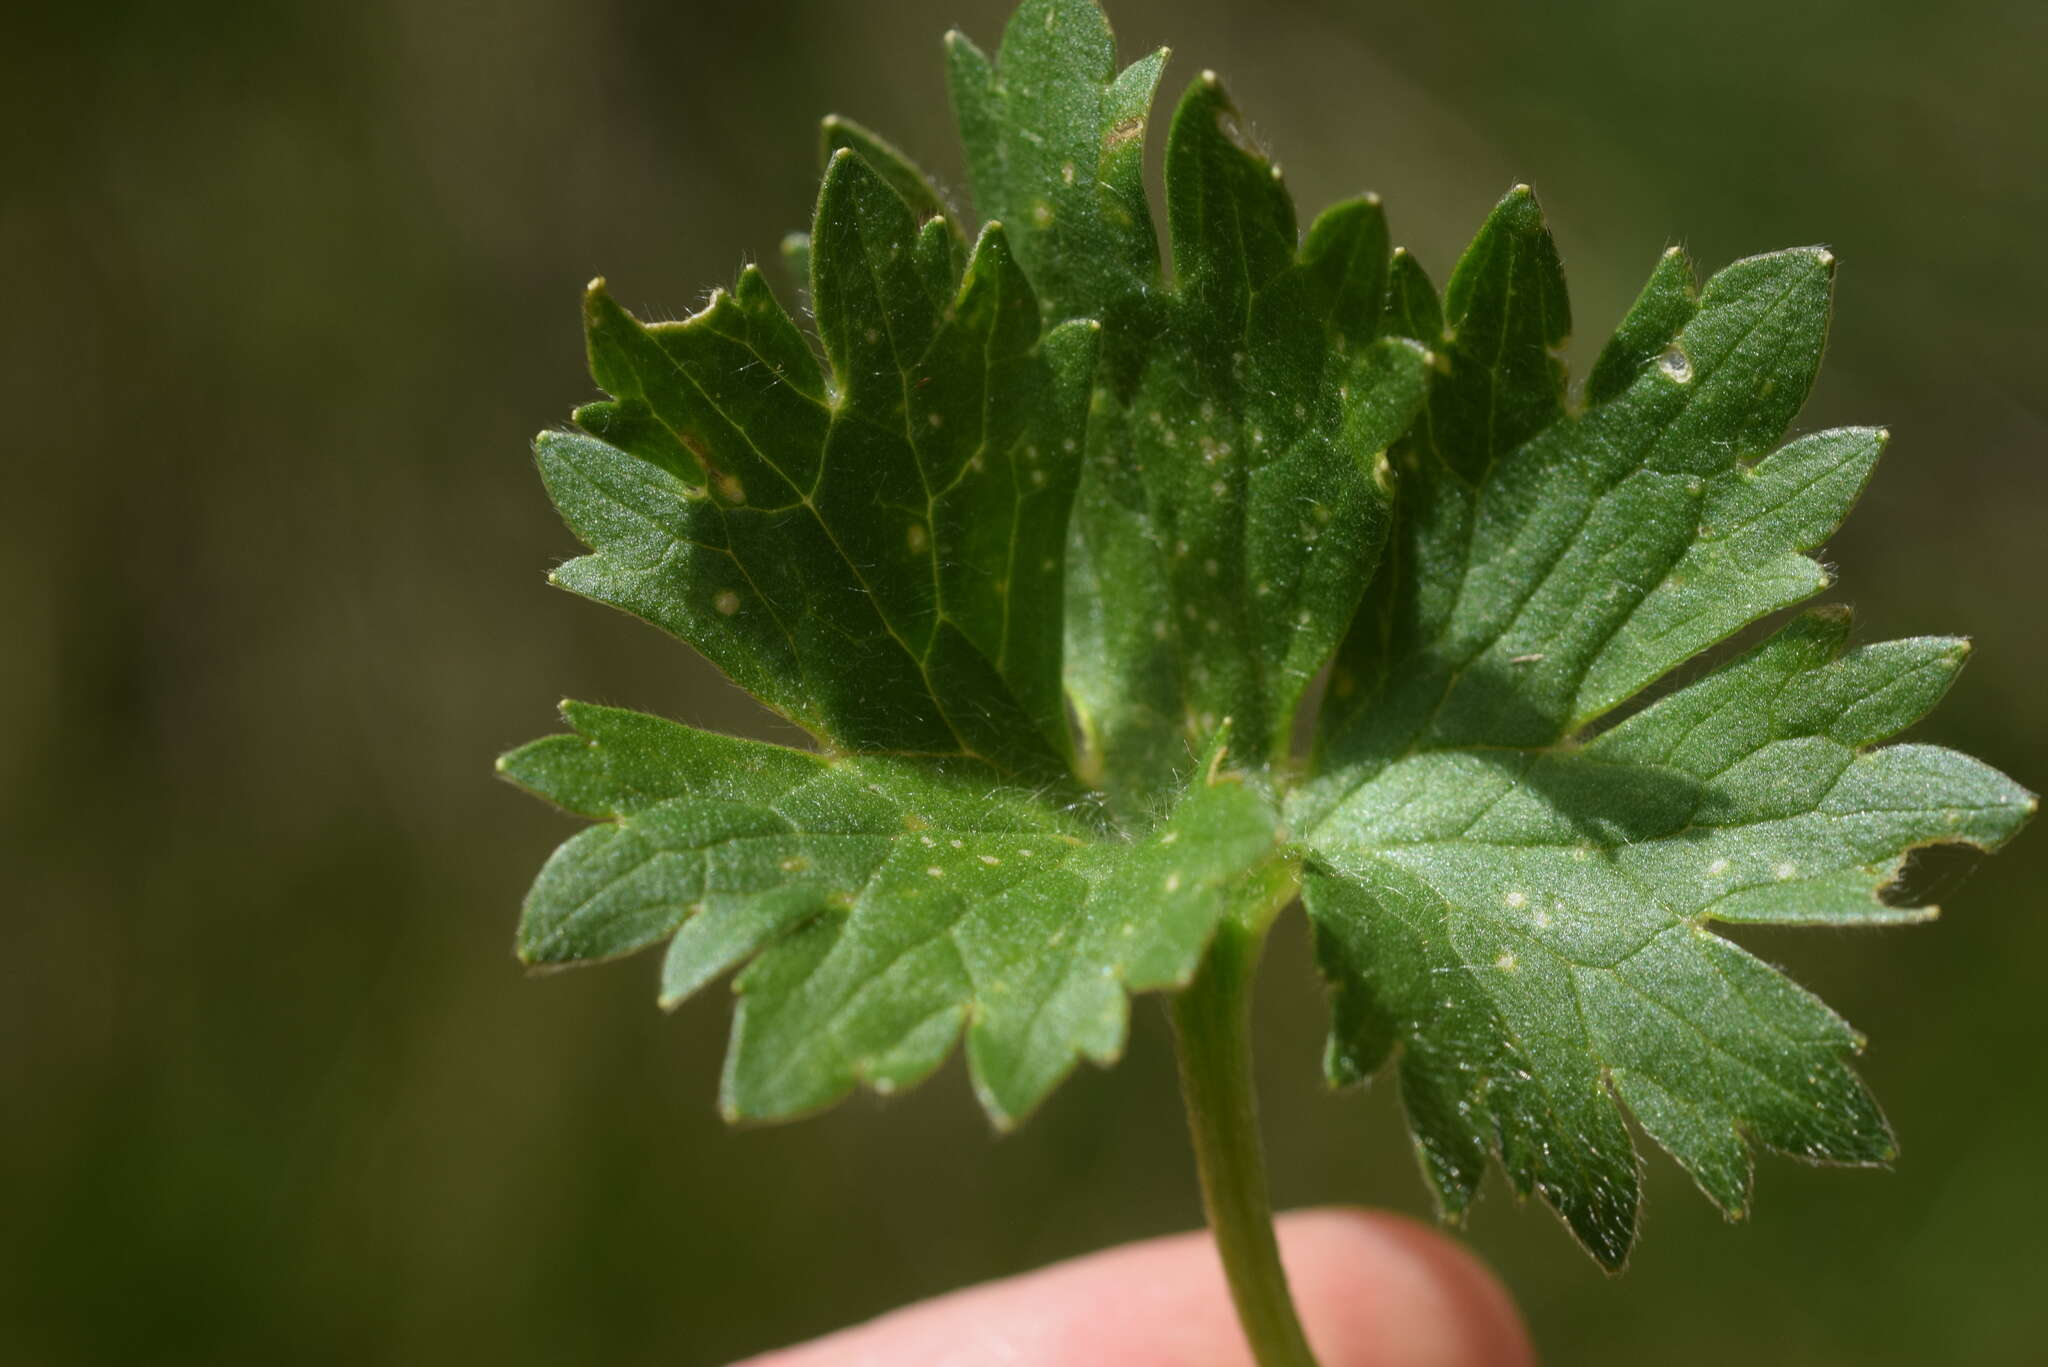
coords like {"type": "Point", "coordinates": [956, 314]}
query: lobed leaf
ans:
{"type": "Point", "coordinates": [1051, 477]}
{"type": "Point", "coordinates": [1519, 916]}
{"type": "Point", "coordinates": [875, 550]}
{"type": "Point", "coordinates": [1230, 513]}
{"type": "Point", "coordinates": [881, 905]}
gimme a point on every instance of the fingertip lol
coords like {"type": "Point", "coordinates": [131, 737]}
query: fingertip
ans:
{"type": "Point", "coordinates": [1375, 1290]}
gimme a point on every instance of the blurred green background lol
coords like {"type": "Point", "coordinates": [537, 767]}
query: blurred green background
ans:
{"type": "Point", "coordinates": [290, 286]}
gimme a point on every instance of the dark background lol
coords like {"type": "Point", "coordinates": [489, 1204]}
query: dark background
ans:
{"type": "Point", "coordinates": [288, 289]}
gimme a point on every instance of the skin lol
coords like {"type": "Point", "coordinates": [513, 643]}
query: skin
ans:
{"type": "Point", "coordinates": [1373, 1290]}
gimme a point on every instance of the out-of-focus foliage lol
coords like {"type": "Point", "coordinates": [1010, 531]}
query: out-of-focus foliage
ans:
{"type": "Point", "coordinates": [286, 284]}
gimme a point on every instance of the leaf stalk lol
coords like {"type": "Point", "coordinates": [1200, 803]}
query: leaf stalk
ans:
{"type": "Point", "coordinates": [1212, 1034]}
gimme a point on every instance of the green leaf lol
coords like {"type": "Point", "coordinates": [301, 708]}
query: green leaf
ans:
{"type": "Point", "coordinates": [1521, 916]}
{"type": "Point", "coordinates": [1049, 518]}
{"type": "Point", "coordinates": [876, 546]}
{"type": "Point", "coordinates": [885, 904]}
{"type": "Point", "coordinates": [1055, 139]}
{"type": "Point", "coordinates": [1232, 510]}
{"type": "Point", "coordinates": [825, 537]}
